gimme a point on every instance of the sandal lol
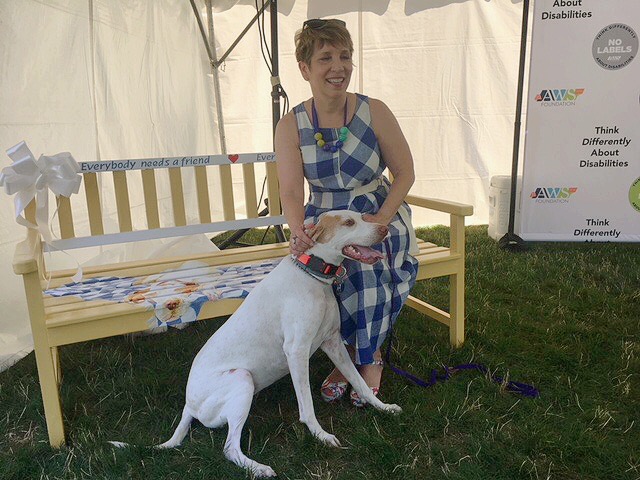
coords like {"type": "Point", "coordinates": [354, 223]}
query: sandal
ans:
{"type": "Point", "coordinates": [358, 402]}
{"type": "Point", "coordinates": [332, 391]}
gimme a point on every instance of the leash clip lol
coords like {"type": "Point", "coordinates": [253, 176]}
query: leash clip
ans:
{"type": "Point", "coordinates": [341, 273]}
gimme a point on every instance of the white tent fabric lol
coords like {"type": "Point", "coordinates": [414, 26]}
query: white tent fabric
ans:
{"type": "Point", "coordinates": [113, 79]}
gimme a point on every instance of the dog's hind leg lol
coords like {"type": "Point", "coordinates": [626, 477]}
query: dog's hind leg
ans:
{"type": "Point", "coordinates": [237, 403]}
{"type": "Point", "coordinates": [337, 352]}
{"type": "Point", "coordinates": [181, 431]}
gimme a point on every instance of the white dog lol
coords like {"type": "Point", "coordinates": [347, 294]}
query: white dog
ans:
{"type": "Point", "coordinates": [281, 323]}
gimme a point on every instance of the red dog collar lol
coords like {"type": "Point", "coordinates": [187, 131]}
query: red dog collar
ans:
{"type": "Point", "coordinates": [319, 267]}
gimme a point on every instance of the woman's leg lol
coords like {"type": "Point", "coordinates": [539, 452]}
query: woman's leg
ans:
{"type": "Point", "coordinates": [372, 373]}
{"type": "Point", "coordinates": [335, 385]}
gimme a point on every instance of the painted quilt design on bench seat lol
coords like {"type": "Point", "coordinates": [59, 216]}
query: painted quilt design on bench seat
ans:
{"type": "Point", "coordinates": [175, 296]}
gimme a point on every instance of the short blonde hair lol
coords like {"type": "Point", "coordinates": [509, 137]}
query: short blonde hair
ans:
{"type": "Point", "coordinates": [332, 31]}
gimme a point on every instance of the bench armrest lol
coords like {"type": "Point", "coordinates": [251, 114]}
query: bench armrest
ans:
{"type": "Point", "coordinates": [456, 211]}
{"type": "Point", "coordinates": [445, 206]}
{"type": "Point", "coordinates": [25, 258]}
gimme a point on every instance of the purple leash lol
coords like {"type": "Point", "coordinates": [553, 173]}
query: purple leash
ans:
{"type": "Point", "coordinates": [515, 387]}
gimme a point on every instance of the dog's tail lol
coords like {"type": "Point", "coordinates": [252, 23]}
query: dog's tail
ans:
{"type": "Point", "coordinates": [181, 431]}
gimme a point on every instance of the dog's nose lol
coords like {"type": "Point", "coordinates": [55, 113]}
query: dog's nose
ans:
{"type": "Point", "coordinates": [382, 230]}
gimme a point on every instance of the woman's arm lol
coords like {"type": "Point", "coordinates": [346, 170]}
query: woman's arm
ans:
{"type": "Point", "coordinates": [397, 156]}
{"type": "Point", "coordinates": [291, 179]}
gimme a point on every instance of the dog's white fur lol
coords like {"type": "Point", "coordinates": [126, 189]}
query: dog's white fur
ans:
{"type": "Point", "coordinates": [281, 323]}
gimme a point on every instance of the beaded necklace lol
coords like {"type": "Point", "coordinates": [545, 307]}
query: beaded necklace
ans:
{"type": "Point", "coordinates": [342, 135]}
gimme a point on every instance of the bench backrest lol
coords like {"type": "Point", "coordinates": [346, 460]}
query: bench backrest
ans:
{"type": "Point", "coordinates": [134, 184]}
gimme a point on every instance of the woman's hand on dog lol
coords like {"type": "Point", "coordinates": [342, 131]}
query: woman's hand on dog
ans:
{"type": "Point", "coordinates": [300, 240]}
{"type": "Point", "coordinates": [377, 218]}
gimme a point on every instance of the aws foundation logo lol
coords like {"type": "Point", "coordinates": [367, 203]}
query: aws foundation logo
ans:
{"type": "Point", "coordinates": [559, 97]}
{"type": "Point", "coordinates": [553, 194]}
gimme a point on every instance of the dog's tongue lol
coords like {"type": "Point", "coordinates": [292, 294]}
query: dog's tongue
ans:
{"type": "Point", "coordinates": [362, 254]}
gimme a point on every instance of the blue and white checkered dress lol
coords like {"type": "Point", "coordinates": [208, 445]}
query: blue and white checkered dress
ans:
{"type": "Point", "coordinates": [372, 295]}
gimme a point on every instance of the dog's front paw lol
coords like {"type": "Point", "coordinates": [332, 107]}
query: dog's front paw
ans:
{"type": "Point", "coordinates": [263, 471]}
{"type": "Point", "coordinates": [392, 408]}
{"type": "Point", "coordinates": [329, 439]}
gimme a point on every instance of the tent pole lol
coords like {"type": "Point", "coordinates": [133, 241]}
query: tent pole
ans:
{"type": "Point", "coordinates": [511, 241]}
{"type": "Point", "coordinates": [216, 79]}
{"type": "Point", "coordinates": [275, 79]}
{"type": "Point", "coordinates": [276, 91]}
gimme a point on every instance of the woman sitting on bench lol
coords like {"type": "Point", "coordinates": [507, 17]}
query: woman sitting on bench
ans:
{"type": "Point", "coordinates": [341, 143]}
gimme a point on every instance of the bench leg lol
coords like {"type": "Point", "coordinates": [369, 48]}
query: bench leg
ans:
{"type": "Point", "coordinates": [48, 373]}
{"type": "Point", "coordinates": [456, 309]}
{"type": "Point", "coordinates": [47, 360]}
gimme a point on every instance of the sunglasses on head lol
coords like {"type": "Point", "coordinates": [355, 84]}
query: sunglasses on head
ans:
{"type": "Point", "coordinates": [318, 23]}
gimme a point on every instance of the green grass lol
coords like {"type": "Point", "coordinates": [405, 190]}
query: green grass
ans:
{"type": "Point", "coordinates": [563, 317]}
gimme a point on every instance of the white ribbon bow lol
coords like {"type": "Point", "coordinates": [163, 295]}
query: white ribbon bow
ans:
{"type": "Point", "coordinates": [30, 179]}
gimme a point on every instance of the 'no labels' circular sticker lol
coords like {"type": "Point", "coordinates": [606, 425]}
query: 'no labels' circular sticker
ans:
{"type": "Point", "coordinates": [615, 46]}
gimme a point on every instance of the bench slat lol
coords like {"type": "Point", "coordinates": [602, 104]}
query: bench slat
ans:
{"type": "Point", "coordinates": [150, 198]}
{"type": "Point", "coordinates": [62, 334]}
{"type": "Point", "coordinates": [54, 301]}
{"type": "Point", "coordinates": [94, 208]}
{"type": "Point", "coordinates": [272, 189]}
{"type": "Point", "coordinates": [119, 309]}
{"type": "Point", "coordinates": [177, 197]}
{"type": "Point", "coordinates": [250, 198]}
{"type": "Point", "coordinates": [202, 189]}
{"type": "Point", "coordinates": [432, 251]}
{"type": "Point", "coordinates": [228, 204]}
{"type": "Point", "coordinates": [434, 268]}
{"type": "Point", "coordinates": [65, 217]}
{"type": "Point", "coordinates": [166, 232]}
{"type": "Point", "coordinates": [105, 311]}
{"type": "Point", "coordinates": [123, 204]}
{"type": "Point", "coordinates": [69, 328]}
{"type": "Point", "coordinates": [80, 306]}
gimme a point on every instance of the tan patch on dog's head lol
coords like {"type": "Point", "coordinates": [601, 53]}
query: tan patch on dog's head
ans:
{"type": "Point", "coordinates": [327, 227]}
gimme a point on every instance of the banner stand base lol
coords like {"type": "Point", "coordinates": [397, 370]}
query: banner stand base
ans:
{"type": "Point", "coordinates": [512, 242]}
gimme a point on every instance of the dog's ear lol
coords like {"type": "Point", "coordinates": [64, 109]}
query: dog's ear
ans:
{"type": "Point", "coordinates": [325, 229]}
{"type": "Point", "coordinates": [314, 231]}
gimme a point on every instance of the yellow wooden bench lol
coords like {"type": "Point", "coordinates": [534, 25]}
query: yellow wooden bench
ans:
{"type": "Point", "coordinates": [65, 320]}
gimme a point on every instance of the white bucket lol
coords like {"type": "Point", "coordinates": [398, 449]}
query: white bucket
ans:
{"type": "Point", "coordinates": [499, 202]}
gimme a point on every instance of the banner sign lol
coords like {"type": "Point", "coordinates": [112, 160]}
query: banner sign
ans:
{"type": "Point", "coordinates": [581, 176]}
{"type": "Point", "coordinates": [175, 162]}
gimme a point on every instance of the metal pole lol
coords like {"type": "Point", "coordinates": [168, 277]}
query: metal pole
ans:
{"type": "Point", "coordinates": [510, 240]}
{"type": "Point", "coordinates": [275, 87]}
{"type": "Point", "coordinates": [275, 79]}
{"type": "Point", "coordinates": [216, 78]}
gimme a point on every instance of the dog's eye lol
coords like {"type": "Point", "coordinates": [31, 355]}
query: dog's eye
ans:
{"type": "Point", "coordinates": [350, 222]}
